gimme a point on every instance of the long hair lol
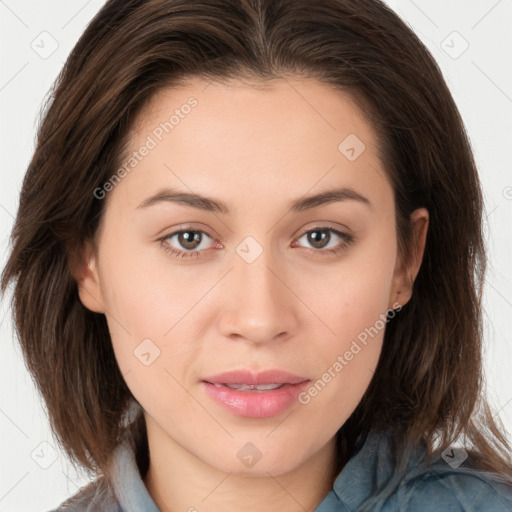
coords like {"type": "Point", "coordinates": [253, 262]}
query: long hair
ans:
{"type": "Point", "coordinates": [428, 385]}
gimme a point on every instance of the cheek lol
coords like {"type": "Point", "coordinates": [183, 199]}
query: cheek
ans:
{"type": "Point", "coordinates": [345, 363]}
{"type": "Point", "coordinates": [145, 291]}
{"type": "Point", "coordinates": [352, 305]}
{"type": "Point", "coordinates": [349, 298]}
{"type": "Point", "coordinates": [152, 306]}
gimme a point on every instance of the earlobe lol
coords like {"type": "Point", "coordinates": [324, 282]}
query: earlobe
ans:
{"type": "Point", "coordinates": [406, 272]}
{"type": "Point", "coordinates": [84, 267]}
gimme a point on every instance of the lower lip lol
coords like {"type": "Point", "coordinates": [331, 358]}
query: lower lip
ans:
{"type": "Point", "coordinates": [255, 404]}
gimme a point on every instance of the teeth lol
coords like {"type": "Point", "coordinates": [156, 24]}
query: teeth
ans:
{"type": "Point", "coordinates": [250, 387]}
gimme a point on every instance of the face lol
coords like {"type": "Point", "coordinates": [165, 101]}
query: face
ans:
{"type": "Point", "coordinates": [258, 278]}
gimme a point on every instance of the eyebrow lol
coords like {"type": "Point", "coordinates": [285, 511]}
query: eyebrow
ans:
{"type": "Point", "coordinates": [212, 205]}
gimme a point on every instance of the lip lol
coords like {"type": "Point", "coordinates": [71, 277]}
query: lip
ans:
{"type": "Point", "coordinates": [255, 404]}
{"type": "Point", "coordinates": [243, 376]}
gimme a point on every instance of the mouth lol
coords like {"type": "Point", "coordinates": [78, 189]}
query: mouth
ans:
{"type": "Point", "coordinates": [255, 395]}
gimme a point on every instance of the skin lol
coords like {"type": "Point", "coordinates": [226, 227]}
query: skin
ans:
{"type": "Point", "coordinates": [296, 307]}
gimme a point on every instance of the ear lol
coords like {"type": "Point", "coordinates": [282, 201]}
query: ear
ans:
{"type": "Point", "coordinates": [83, 263]}
{"type": "Point", "coordinates": [407, 269]}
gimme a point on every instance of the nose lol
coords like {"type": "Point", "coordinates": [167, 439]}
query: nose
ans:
{"type": "Point", "coordinates": [259, 305]}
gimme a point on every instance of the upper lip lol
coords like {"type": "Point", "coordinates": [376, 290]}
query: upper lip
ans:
{"type": "Point", "coordinates": [272, 376]}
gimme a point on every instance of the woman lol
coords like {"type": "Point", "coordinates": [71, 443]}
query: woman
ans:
{"type": "Point", "coordinates": [248, 261]}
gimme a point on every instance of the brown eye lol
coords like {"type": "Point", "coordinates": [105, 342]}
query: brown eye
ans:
{"type": "Point", "coordinates": [186, 242]}
{"type": "Point", "coordinates": [319, 239]}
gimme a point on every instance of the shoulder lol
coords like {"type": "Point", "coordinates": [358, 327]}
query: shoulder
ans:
{"type": "Point", "coordinates": [95, 496]}
{"type": "Point", "coordinates": [370, 482]}
{"type": "Point", "coordinates": [455, 490]}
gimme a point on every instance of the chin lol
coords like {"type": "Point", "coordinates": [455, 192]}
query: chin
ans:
{"type": "Point", "coordinates": [249, 461]}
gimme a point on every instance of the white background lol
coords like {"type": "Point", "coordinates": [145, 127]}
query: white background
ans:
{"type": "Point", "coordinates": [480, 79]}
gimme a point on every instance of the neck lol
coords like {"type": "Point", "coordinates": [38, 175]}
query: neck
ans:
{"type": "Point", "coordinates": [178, 480]}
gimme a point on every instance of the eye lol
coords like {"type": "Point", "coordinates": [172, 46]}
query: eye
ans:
{"type": "Point", "coordinates": [320, 237]}
{"type": "Point", "coordinates": [189, 242]}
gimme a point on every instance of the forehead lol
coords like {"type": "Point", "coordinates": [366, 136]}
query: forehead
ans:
{"type": "Point", "coordinates": [255, 105]}
{"type": "Point", "coordinates": [284, 135]}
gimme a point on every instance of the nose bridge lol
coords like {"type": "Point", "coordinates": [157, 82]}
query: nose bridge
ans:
{"type": "Point", "coordinates": [259, 306]}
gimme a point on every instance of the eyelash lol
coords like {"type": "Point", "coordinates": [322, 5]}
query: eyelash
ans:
{"type": "Point", "coordinates": [347, 240]}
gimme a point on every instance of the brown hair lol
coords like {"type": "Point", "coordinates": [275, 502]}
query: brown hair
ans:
{"type": "Point", "coordinates": [428, 385]}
